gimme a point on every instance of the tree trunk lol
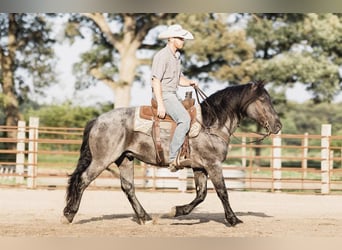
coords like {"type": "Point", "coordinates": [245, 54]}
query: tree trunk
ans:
{"type": "Point", "coordinates": [127, 70]}
{"type": "Point", "coordinates": [122, 96]}
{"type": "Point", "coordinates": [11, 105]}
{"type": "Point", "coordinates": [127, 45]}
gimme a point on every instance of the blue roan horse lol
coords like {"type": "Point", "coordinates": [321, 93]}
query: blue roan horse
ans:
{"type": "Point", "coordinates": [110, 138]}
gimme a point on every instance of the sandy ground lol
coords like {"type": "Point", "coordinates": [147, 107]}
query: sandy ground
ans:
{"type": "Point", "coordinates": [36, 213]}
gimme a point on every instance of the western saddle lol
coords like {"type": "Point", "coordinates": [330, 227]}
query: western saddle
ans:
{"type": "Point", "coordinates": [150, 113]}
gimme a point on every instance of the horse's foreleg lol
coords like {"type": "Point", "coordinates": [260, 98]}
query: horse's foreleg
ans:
{"type": "Point", "coordinates": [200, 178]}
{"type": "Point", "coordinates": [127, 185]}
{"type": "Point", "coordinates": [216, 176]}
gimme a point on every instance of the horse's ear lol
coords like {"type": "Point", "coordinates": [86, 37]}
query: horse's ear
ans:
{"type": "Point", "coordinates": [258, 84]}
{"type": "Point", "coordinates": [261, 83]}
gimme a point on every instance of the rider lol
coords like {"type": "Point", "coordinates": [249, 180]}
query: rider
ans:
{"type": "Point", "coordinates": [166, 76]}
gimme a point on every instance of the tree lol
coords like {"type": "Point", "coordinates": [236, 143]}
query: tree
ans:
{"type": "Point", "coordinates": [25, 54]}
{"type": "Point", "coordinates": [124, 42]}
{"type": "Point", "coordinates": [302, 48]}
{"type": "Point", "coordinates": [65, 115]}
{"type": "Point", "coordinates": [309, 118]}
{"type": "Point", "coordinates": [220, 50]}
{"type": "Point", "coordinates": [236, 48]}
{"type": "Point", "coordinates": [292, 48]}
{"type": "Point", "coordinates": [113, 58]}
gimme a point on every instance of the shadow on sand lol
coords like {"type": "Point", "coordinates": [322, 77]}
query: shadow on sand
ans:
{"type": "Point", "coordinates": [191, 219]}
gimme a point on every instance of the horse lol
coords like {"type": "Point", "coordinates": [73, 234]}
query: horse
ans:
{"type": "Point", "coordinates": [110, 138]}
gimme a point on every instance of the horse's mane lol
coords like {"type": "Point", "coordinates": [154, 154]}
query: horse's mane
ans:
{"type": "Point", "coordinates": [228, 103]}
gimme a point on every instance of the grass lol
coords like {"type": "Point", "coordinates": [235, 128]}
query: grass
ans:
{"type": "Point", "coordinates": [57, 162]}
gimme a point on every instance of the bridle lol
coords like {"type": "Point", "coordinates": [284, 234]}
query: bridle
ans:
{"type": "Point", "coordinates": [200, 93]}
{"type": "Point", "coordinates": [266, 124]}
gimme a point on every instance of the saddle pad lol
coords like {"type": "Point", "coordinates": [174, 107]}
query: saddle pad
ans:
{"type": "Point", "coordinates": [145, 125]}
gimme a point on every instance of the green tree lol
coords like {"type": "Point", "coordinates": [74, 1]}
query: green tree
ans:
{"type": "Point", "coordinates": [220, 51]}
{"type": "Point", "coordinates": [302, 48]}
{"type": "Point", "coordinates": [65, 115]}
{"type": "Point", "coordinates": [236, 48]}
{"type": "Point", "coordinates": [124, 42]}
{"type": "Point", "coordinates": [26, 60]}
{"type": "Point", "coordinates": [308, 118]}
{"type": "Point", "coordinates": [116, 41]}
{"type": "Point", "coordinates": [292, 48]}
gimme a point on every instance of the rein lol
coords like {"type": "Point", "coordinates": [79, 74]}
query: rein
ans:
{"type": "Point", "coordinates": [201, 93]}
{"type": "Point", "coordinates": [263, 136]}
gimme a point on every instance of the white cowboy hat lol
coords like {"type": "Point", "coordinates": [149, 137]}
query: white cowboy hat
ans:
{"type": "Point", "coordinates": [175, 31]}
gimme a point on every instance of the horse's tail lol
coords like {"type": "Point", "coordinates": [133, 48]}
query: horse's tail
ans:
{"type": "Point", "coordinates": [75, 182]}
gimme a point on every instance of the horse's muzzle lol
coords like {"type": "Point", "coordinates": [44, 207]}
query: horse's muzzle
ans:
{"type": "Point", "coordinates": [277, 127]}
{"type": "Point", "coordinates": [274, 128]}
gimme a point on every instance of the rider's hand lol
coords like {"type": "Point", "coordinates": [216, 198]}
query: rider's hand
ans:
{"type": "Point", "coordinates": [161, 112]}
{"type": "Point", "coordinates": [193, 84]}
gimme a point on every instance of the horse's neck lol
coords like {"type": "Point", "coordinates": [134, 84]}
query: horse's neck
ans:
{"type": "Point", "coordinates": [231, 125]}
{"type": "Point", "coordinates": [226, 130]}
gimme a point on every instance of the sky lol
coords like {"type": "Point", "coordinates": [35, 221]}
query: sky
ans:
{"type": "Point", "coordinates": [141, 93]}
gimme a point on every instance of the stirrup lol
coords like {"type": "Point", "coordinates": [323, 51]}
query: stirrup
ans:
{"type": "Point", "coordinates": [179, 163]}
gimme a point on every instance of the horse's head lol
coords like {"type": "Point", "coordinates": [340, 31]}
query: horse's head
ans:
{"type": "Point", "coordinates": [258, 106]}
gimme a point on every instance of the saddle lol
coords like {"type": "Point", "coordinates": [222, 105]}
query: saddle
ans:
{"type": "Point", "coordinates": [150, 113]}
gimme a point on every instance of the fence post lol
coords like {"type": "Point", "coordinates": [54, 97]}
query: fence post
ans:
{"type": "Point", "coordinates": [305, 155]}
{"type": "Point", "coordinates": [325, 151]}
{"type": "Point", "coordinates": [33, 152]}
{"type": "Point", "coordinates": [184, 183]}
{"type": "Point", "coordinates": [20, 157]}
{"type": "Point", "coordinates": [244, 152]}
{"type": "Point", "coordinates": [276, 161]}
{"type": "Point", "coordinates": [331, 160]}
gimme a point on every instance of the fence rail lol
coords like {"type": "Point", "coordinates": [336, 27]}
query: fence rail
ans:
{"type": "Point", "coordinates": [43, 157]}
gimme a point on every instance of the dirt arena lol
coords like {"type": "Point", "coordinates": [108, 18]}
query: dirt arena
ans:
{"type": "Point", "coordinates": [36, 213]}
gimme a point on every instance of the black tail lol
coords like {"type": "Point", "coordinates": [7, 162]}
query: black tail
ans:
{"type": "Point", "coordinates": [75, 183]}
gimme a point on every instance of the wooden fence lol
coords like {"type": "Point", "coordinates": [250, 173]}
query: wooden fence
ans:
{"type": "Point", "coordinates": [43, 157]}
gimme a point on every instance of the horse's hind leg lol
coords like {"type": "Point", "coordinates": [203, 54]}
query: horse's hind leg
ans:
{"type": "Point", "coordinates": [127, 185]}
{"type": "Point", "coordinates": [78, 182]}
{"type": "Point", "coordinates": [200, 178]}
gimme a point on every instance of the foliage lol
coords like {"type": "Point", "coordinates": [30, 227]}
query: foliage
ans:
{"type": "Point", "coordinates": [302, 48]}
{"type": "Point", "coordinates": [220, 51]}
{"type": "Point", "coordinates": [282, 48]}
{"type": "Point", "coordinates": [236, 48]}
{"type": "Point", "coordinates": [117, 39]}
{"type": "Point", "coordinates": [27, 59]}
{"type": "Point", "coordinates": [308, 118]}
{"type": "Point", "coordinates": [66, 115]}
{"type": "Point", "coordinates": [63, 116]}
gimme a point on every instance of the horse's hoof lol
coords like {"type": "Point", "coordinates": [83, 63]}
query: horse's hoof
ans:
{"type": "Point", "coordinates": [233, 221]}
{"type": "Point", "coordinates": [173, 212]}
{"type": "Point", "coordinates": [145, 222]}
{"type": "Point", "coordinates": [239, 221]}
{"type": "Point", "coordinates": [64, 220]}
{"type": "Point", "coordinates": [149, 222]}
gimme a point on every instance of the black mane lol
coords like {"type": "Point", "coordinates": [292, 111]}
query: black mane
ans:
{"type": "Point", "coordinates": [228, 103]}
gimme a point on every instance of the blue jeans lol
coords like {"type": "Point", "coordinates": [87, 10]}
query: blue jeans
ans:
{"type": "Point", "coordinates": [178, 113]}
